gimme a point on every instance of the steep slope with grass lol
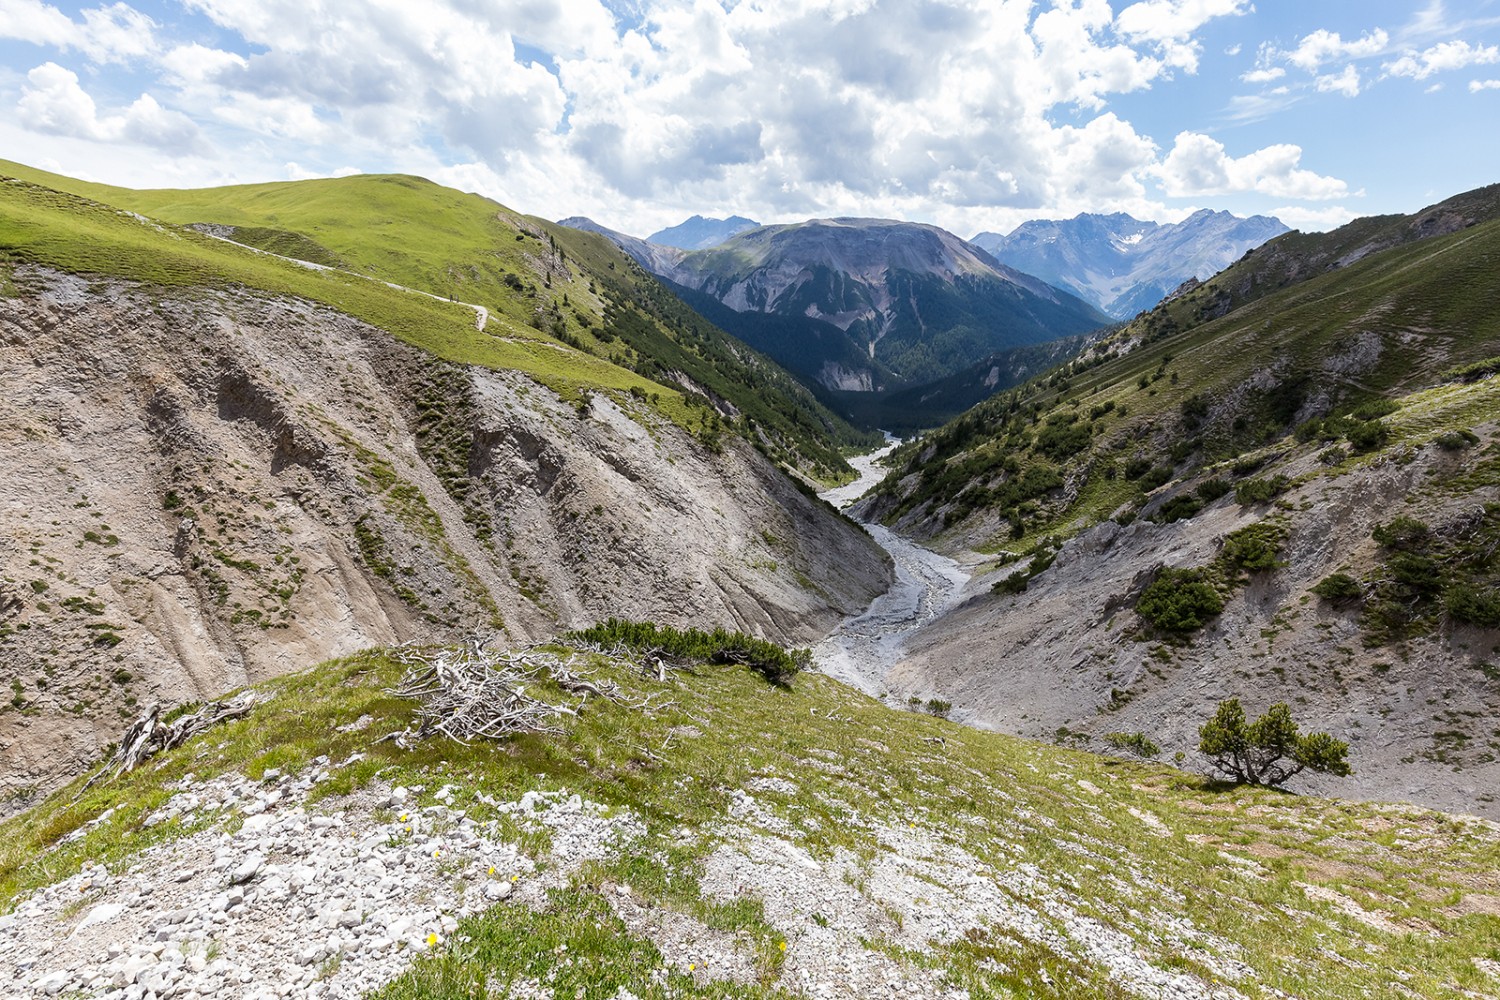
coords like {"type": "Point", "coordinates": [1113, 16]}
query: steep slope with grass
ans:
{"type": "Point", "coordinates": [1309, 418]}
{"type": "Point", "coordinates": [540, 282]}
{"type": "Point", "coordinates": [219, 463]}
{"type": "Point", "coordinates": [686, 839]}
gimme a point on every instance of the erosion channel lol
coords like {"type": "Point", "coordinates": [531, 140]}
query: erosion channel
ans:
{"type": "Point", "coordinates": [862, 650]}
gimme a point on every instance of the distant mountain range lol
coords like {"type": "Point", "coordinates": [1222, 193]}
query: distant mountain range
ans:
{"type": "Point", "coordinates": [1122, 264]}
{"type": "Point", "coordinates": [864, 304]}
{"type": "Point", "coordinates": [699, 233]}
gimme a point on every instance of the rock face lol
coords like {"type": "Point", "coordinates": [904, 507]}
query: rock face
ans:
{"type": "Point", "coordinates": [1070, 655]}
{"type": "Point", "coordinates": [208, 488]}
{"type": "Point", "coordinates": [1124, 265]}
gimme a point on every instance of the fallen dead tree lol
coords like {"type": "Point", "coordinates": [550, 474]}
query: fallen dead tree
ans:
{"type": "Point", "coordinates": [149, 735]}
{"type": "Point", "coordinates": [470, 692]}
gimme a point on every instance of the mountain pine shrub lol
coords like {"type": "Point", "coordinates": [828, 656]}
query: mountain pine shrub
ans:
{"type": "Point", "coordinates": [1179, 600]}
{"type": "Point", "coordinates": [771, 661]}
{"type": "Point", "coordinates": [1338, 587]}
{"type": "Point", "coordinates": [1253, 491]}
{"type": "Point", "coordinates": [1137, 743]}
{"type": "Point", "coordinates": [1269, 750]}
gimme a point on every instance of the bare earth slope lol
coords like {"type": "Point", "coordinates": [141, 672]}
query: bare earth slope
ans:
{"type": "Point", "coordinates": [208, 488]}
{"type": "Point", "coordinates": [1070, 659]}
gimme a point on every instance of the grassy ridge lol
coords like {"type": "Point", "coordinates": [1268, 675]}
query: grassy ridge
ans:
{"type": "Point", "coordinates": [553, 289]}
{"type": "Point", "coordinates": [1315, 898]}
{"type": "Point", "coordinates": [1180, 388]}
{"type": "Point", "coordinates": [39, 225]}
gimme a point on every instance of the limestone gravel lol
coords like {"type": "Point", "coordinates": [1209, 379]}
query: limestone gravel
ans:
{"type": "Point", "coordinates": [293, 903]}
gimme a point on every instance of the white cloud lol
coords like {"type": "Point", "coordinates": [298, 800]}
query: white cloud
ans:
{"type": "Point", "coordinates": [1323, 46]}
{"type": "Point", "coordinates": [957, 111]}
{"type": "Point", "coordinates": [1475, 86]}
{"type": "Point", "coordinates": [1315, 220]}
{"type": "Point", "coordinates": [1442, 57]}
{"type": "Point", "coordinates": [35, 22]}
{"type": "Point", "coordinates": [1199, 166]}
{"type": "Point", "coordinates": [1346, 82]}
{"type": "Point", "coordinates": [115, 33]}
{"type": "Point", "coordinates": [296, 172]}
{"type": "Point", "coordinates": [53, 102]}
{"type": "Point", "coordinates": [197, 64]}
{"type": "Point", "coordinates": [1263, 75]}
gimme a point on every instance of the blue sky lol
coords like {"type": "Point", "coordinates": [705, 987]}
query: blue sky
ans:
{"type": "Point", "coordinates": [973, 114]}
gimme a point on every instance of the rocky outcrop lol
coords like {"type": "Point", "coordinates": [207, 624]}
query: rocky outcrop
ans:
{"type": "Point", "coordinates": [207, 488]}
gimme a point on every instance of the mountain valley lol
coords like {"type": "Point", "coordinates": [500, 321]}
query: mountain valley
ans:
{"type": "Point", "coordinates": [509, 532]}
{"type": "Point", "coordinates": [1355, 403]}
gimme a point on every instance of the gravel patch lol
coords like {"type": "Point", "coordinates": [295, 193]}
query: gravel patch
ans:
{"type": "Point", "coordinates": [295, 902]}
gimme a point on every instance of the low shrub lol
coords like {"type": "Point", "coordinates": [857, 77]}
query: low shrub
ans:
{"type": "Point", "coordinates": [1456, 440]}
{"type": "Point", "coordinates": [1212, 489]}
{"type": "Point", "coordinates": [1253, 491]}
{"type": "Point", "coordinates": [1402, 533]}
{"type": "Point", "coordinates": [771, 661]}
{"type": "Point", "coordinates": [1137, 743]}
{"type": "Point", "coordinates": [1253, 548]}
{"type": "Point", "coordinates": [1179, 600]}
{"type": "Point", "coordinates": [1472, 372]}
{"type": "Point", "coordinates": [1338, 587]}
{"type": "Point", "coordinates": [1473, 605]}
{"type": "Point", "coordinates": [1179, 508]}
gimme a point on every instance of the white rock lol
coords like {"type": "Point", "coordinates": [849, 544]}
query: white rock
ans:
{"type": "Point", "coordinates": [103, 913]}
{"type": "Point", "coordinates": [247, 869]}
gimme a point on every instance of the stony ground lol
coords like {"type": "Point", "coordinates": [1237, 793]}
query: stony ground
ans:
{"type": "Point", "coordinates": [708, 835]}
{"type": "Point", "coordinates": [328, 903]}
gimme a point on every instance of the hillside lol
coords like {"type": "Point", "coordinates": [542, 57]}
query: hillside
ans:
{"type": "Point", "coordinates": [1265, 454]}
{"type": "Point", "coordinates": [541, 283]}
{"type": "Point", "coordinates": [680, 839]}
{"type": "Point", "coordinates": [220, 463]}
{"type": "Point", "coordinates": [1124, 265]}
{"type": "Point", "coordinates": [912, 297]}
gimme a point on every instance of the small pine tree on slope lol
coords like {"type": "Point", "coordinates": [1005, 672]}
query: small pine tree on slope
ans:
{"type": "Point", "coordinates": [1269, 750]}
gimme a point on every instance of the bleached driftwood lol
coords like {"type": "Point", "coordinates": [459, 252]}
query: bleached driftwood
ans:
{"type": "Point", "coordinates": [470, 692]}
{"type": "Point", "coordinates": [149, 736]}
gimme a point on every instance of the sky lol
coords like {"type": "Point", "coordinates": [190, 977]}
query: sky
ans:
{"type": "Point", "coordinates": [975, 115]}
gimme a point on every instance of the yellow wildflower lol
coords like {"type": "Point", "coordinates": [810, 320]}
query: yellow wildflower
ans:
{"type": "Point", "coordinates": [432, 940]}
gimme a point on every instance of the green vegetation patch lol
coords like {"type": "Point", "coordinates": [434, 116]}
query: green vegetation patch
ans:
{"type": "Point", "coordinates": [771, 661]}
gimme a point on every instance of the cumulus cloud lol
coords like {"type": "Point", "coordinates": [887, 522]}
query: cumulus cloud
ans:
{"type": "Point", "coordinates": [106, 34]}
{"type": "Point", "coordinates": [55, 103]}
{"type": "Point", "coordinates": [1475, 86]}
{"type": "Point", "coordinates": [1313, 219]}
{"type": "Point", "coordinates": [1200, 166]}
{"type": "Point", "coordinates": [1265, 75]}
{"type": "Point", "coordinates": [1442, 57]}
{"type": "Point", "coordinates": [918, 108]}
{"type": "Point", "coordinates": [1346, 82]}
{"type": "Point", "coordinates": [1171, 24]}
{"type": "Point", "coordinates": [1323, 46]}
